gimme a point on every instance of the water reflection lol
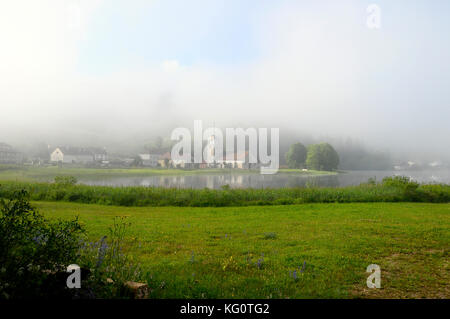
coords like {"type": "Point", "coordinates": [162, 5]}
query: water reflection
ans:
{"type": "Point", "coordinates": [268, 181]}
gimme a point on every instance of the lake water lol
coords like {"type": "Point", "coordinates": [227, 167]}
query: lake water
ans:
{"type": "Point", "coordinates": [236, 180]}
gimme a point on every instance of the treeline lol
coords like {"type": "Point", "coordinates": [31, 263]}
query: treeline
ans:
{"type": "Point", "coordinates": [356, 157]}
{"type": "Point", "coordinates": [395, 189]}
{"type": "Point", "coordinates": [321, 157]}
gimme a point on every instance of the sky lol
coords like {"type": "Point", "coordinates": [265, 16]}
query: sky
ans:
{"type": "Point", "coordinates": [100, 72]}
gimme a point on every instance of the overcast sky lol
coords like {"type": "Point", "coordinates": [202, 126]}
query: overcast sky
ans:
{"type": "Point", "coordinates": [98, 70]}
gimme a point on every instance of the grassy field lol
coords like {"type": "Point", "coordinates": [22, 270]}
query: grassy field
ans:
{"type": "Point", "coordinates": [261, 243]}
{"type": "Point", "coordinates": [252, 252]}
{"type": "Point", "coordinates": [47, 174]}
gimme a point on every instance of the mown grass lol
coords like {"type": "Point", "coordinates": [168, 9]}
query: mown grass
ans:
{"type": "Point", "coordinates": [252, 252]}
{"type": "Point", "coordinates": [158, 196]}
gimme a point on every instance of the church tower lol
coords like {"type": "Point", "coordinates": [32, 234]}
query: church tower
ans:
{"type": "Point", "coordinates": [211, 150]}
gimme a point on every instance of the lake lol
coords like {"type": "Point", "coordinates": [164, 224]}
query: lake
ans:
{"type": "Point", "coordinates": [236, 180]}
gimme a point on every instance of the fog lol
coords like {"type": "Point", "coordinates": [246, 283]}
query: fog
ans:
{"type": "Point", "coordinates": [117, 73]}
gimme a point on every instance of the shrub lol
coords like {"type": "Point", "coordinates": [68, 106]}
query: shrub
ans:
{"type": "Point", "coordinates": [31, 248]}
{"type": "Point", "coordinates": [65, 180]}
{"type": "Point", "coordinates": [400, 181]}
{"type": "Point", "coordinates": [35, 252]}
{"type": "Point", "coordinates": [408, 186]}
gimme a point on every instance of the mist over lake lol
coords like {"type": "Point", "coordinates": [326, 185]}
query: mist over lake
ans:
{"type": "Point", "coordinates": [236, 180]}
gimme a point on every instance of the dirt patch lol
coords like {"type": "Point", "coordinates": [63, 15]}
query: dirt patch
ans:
{"type": "Point", "coordinates": [419, 274]}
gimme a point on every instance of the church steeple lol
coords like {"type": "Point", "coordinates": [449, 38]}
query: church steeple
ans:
{"type": "Point", "coordinates": [211, 148]}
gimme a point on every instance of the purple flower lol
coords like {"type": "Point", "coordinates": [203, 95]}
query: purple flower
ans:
{"type": "Point", "coordinates": [102, 251]}
{"type": "Point", "coordinates": [303, 268]}
{"type": "Point", "coordinates": [294, 274]}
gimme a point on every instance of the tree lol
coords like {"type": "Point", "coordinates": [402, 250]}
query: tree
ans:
{"type": "Point", "coordinates": [322, 157]}
{"type": "Point", "coordinates": [296, 156]}
{"type": "Point", "coordinates": [137, 161]}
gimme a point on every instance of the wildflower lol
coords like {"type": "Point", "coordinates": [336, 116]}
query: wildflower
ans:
{"type": "Point", "coordinates": [101, 251]}
{"type": "Point", "coordinates": [294, 274]}
{"type": "Point", "coordinates": [303, 267]}
{"type": "Point", "coordinates": [259, 262]}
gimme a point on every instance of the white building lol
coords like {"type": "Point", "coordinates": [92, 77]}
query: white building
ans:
{"type": "Point", "coordinates": [150, 160]}
{"type": "Point", "coordinates": [239, 160]}
{"type": "Point", "coordinates": [211, 151]}
{"type": "Point", "coordinates": [75, 155]}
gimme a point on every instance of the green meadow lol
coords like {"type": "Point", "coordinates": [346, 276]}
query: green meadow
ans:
{"type": "Point", "coordinates": [293, 251]}
{"type": "Point", "coordinates": [307, 242]}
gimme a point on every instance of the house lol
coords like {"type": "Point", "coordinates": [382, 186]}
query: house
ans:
{"type": "Point", "coordinates": [240, 160]}
{"type": "Point", "coordinates": [203, 165]}
{"type": "Point", "coordinates": [149, 160]}
{"type": "Point", "coordinates": [409, 165]}
{"type": "Point", "coordinates": [182, 164]}
{"type": "Point", "coordinates": [435, 164]}
{"type": "Point", "coordinates": [9, 155]}
{"type": "Point", "coordinates": [76, 155]}
{"type": "Point", "coordinates": [165, 160]}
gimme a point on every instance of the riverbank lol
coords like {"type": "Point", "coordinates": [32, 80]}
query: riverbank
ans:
{"type": "Point", "coordinates": [48, 173]}
{"type": "Point", "coordinates": [390, 190]}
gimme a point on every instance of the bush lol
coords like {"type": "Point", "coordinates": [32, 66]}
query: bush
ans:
{"type": "Point", "coordinates": [35, 252]}
{"type": "Point", "coordinates": [400, 181]}
{"type": "Point", "coordinates": [31, 248]}
{"type": "Point", "coordinates": [65, 180]}
{"type": "Point", "coordinates": [408, 186]}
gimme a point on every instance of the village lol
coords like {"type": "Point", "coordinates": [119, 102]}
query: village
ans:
{"type": "Point", "coordinates": [99, 157]}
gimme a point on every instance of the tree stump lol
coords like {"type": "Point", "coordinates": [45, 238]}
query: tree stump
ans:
{"type": "Point", "coordinates": [139, 290]}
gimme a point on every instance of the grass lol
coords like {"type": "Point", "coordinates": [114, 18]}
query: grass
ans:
{"type": "Point", "coordinates": [48, 173]}
{"type": "Point", "coordinates": [252, 252]}
{"type": "Point", "coordinates": [262, 243]}
{"type": "Point", "coordinates": [398, 189]}
{"type": "Point", "coordinates": [159, 196]}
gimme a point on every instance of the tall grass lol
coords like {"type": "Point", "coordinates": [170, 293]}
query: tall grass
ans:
{"type": "Point", "coordinates": [390, 190]}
